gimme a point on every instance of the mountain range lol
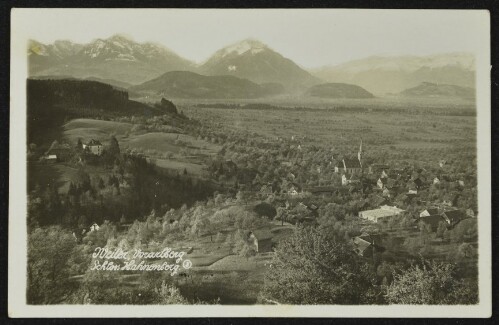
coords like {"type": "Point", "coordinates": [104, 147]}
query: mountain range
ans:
{"type": "Point", "coordinates": [253, 60]}
{"type": "Point", "coordinates": [121, 61]}
{"type": "Point", "coordinates": [383, 75]}
{"type": "Point", "coordinates": [432, 90]}
{"type": "Point", "coordinates": [186, 84]}
{"type": "Point", "coordinates": [116, 58]}
{"type": "Point", "coordinates": [338, 90]}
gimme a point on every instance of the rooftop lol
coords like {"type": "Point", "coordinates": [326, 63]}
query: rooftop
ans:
{"type": "Point", "coordinates": [382, 212]}
{"type": "Point", "coordinates": [94, 142]}
{"type": "Point", "coordinates": [261, 234]}
{"type": "Point", "coordinates": [351, 163]}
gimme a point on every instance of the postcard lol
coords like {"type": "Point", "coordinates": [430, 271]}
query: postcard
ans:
{"type": "Point", "coordinates": [250, 162]}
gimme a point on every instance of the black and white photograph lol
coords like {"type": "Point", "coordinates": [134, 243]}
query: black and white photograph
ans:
{"type": "Point", "coordinates": [250, 162]}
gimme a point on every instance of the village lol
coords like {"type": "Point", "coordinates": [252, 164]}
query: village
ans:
{"type": "Point", "coordinates": [250, 196]}
{"type": "Point", "coordinates": [288, 201]}
{"type": "Point", "coordinates": [235, 199]}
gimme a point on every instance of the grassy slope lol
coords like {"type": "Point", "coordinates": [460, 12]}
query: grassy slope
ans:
{"type": "Point", "coordinates": [156, 145]}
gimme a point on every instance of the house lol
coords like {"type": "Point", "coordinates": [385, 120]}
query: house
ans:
{"type": "Point", "coordinates": [78, 234]}
{"type": "Point", "coordinates": [432, 220]}
{"type": "Point", "coordinates": [266, 189]}
{"type": "Point", "coordinates": [436, 180]}
{"type": "Point", "coordinates": [381, 182]}
{"type": "Point", "coordinates": [58, 152]}
{"type": "Point", "coordinates": [381, 214]}
{"type": "Point", "coordinates": [365, 245]}
{"type": "Point", "coordinates": [294, 189]}
{"type": "Point", "coordinates": [94, 227]}
{"type": "Point", "coordinates": [429, 212]}
{"type": "Point", "coordinates": [376, 168]}
{"type": "Point", "coordinates": [261, 239]}
{"type": "Point", "coordinates": [442, 163]}
{"type": "Point", "coordinates": [49, 158]}
{"type": "Point", "coordinates": [313, 208]}
{"type": "Point", "coordinates": [361, 247]}
{"type": "Point", "coordinates": [453, 217]}
{"type": "Point", "coordinates": [351, 180]}
{"type": "Point", "coordinates": [418, 183]}
{"type": "Point", "coordinates": [379, 201]}
{"type": "Point", "coordinates": [384, 182]}
{"type": "Point", "coordinates": [94, 147]}
{"type": "Point", "coordinates": [321, 189]}
{"type": "Point", "coordinates": [447, 203]}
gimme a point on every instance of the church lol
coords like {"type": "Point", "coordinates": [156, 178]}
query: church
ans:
{"type": "Point", "coordinates": [350, 165]}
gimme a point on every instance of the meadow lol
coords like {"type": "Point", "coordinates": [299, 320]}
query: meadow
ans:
{"type": "Point", "coordinates": [410, 131]}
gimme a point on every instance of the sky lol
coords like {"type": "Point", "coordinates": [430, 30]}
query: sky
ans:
{"type": "Point", "coordinates": [310, 37]}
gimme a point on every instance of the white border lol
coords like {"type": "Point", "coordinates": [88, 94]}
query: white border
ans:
{"type": "Point", "coordinates": [22, 20]}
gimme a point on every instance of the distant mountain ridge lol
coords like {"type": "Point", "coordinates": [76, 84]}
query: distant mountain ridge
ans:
{"type": "Point", "coordinates": [185, 84]}
{"type": "Point", "coordinates": [338, 90]}
{"type": "Point", "coordinates": [121, 59]}
{"type": "Point", "coordinates": [392, 74]}
{"type": "Point", "coordinates": [428, 89]}
{"type": "Point", "coordinates": [253, 60]}
{"type": "Point", "coordinates": [115, 58]}
{"type": "Point", "coordinates": [112, 82]}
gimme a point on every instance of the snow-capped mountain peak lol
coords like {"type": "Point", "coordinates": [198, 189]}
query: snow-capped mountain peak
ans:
{"type": "Point", "coordinates": [108, 56]}
{"type": "Point", "coordinates": [242, 47]}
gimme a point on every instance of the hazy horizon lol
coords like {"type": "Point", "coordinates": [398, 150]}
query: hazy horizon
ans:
{"type": "Point", "coordinates": [311, 38]}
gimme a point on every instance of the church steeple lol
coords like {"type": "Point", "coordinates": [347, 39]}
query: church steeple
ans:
{"type": "Point", "coordinates": [359, 154]}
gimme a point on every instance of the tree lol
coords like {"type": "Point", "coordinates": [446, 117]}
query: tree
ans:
{"type": "Point", "coordinates": [168, 106]}
{"type": "Point", "coordinates": [281, 214]}
{"type": "Point", "coordinates": [313, 266]}
{"type": "Point", "coordinates": [246, 250]}
{"type": "Point", "coordinates": [114, 147]}
{"type": "Point", "coordinates": [240, 197]}
{"type": "Point", "coordinates": [442, 227]}
{"type": "Point", "coordinates": [169, 295]}
{"type": "Point", "coordinates": [200, 223]}
{"type": "Point", "coordinates": [79, 145]}
{"type": "Point", "coordinates": [431, 283]}
{"type": "Point", "coordinates": [49, 252]}
{"type": "Point", "coordinates": [266, 210]}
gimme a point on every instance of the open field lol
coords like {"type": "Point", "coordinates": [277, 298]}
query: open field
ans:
{"type": "Point", "coordinates": [387, 102]}
{"type": "Point", "coordinates": [169, 142]}
{"type": "Point", "coordinates": [381, 129]}
{"type": "Point", "coordinates": [87, 129]}
{"type": "Point", "coordinates": [171, 151]}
